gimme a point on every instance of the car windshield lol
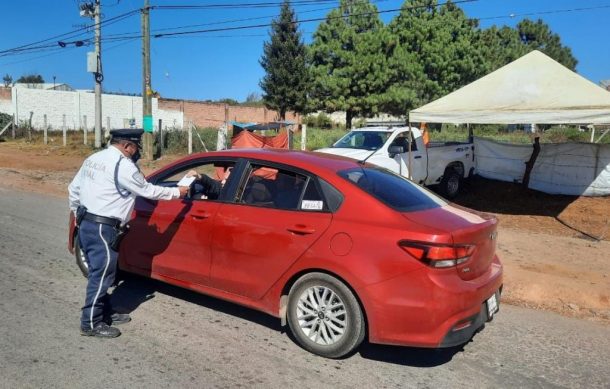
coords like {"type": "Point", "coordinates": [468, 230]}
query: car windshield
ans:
{"type": "Point", "coordinates": [367, 140]}
{"type": "Point", "coordinates": [391, 189]}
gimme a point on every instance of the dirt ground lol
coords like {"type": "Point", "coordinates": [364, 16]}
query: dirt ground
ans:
{"type": "Point", "coordinates": [555, 249]}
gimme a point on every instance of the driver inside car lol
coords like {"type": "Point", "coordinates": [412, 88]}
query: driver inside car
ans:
{"type": "Point", "coordinates": [207, 187]}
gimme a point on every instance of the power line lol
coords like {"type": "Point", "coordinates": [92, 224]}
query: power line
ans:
{"type": "Point", "coordinates": [302, 21]}
{"type": "Point", "coordinates": [240, 5]}
{"type": "Point", "coordinates": [557, 11]}
{"type": "Point", "coordinates": [73, 33]}
{"type": "Point", "coordinates": [240, 20]}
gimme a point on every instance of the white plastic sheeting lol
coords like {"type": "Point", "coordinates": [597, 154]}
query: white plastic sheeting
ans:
{"type": "Point", "coordinates": [561, 168]}
{"type": "Point", "coordinates": [531, 89]}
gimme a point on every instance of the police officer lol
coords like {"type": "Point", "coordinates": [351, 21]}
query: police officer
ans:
{"type": "Point", "coordinates": [102, 195]}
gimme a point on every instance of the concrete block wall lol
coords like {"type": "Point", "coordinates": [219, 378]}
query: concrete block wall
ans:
{"type": "Point", "coordinates": [76, 105]}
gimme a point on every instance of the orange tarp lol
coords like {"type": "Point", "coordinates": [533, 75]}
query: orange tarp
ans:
{"type": "Point", "coordinates": [247, 139]}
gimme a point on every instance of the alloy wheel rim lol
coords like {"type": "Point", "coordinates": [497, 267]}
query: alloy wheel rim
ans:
{"type": "Point", "coordinates": [322, 315]}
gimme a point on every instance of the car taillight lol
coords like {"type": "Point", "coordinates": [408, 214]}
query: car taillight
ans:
{"type": "Point", "coordinates": [438, 256]}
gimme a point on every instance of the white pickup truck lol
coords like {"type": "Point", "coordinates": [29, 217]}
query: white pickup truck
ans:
{"type": "Point", "coordinates": [442, 164]}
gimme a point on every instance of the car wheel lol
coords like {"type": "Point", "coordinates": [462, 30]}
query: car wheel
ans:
{"type": "Point", "coordinates": [81, 261]}
{"type": "Point", "coordinates": [450, 184]}
{"type": "Point", "coordinates": [324, 316]}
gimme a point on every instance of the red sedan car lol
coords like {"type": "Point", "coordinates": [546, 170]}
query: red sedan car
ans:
{"type": "Point", "coordinates": [336, 248]}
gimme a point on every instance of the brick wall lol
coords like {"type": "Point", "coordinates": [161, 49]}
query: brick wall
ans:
{"type": "Point", "coordinates": [203, 114]}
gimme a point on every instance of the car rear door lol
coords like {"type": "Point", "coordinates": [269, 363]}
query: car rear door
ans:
{"type": "Point", "coordinates": [269, 226]}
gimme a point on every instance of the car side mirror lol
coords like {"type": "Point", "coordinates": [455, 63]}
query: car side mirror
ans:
{"type": "Point", "coordinates": [394, 150]}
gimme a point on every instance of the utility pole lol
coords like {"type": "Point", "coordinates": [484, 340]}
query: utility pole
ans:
{"type": "Point", "coordinates": [147, 119]}
{"type": "Point", "coordinates": [98, 75]}
{"type": "Point", "coordinates": [94, 62]}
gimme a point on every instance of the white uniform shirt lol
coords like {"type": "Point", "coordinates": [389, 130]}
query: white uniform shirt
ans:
{"type": "Point", "coordinates": [94, 187]}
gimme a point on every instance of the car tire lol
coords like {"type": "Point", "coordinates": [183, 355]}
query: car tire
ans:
{"type": "Point", "coordinates": [451, 183]}
{"type": "Point", "coordinates": [81, 261]}
{"type": "Point", "coordinates": [331, 333]}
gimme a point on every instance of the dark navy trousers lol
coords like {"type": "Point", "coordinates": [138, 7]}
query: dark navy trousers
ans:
{"type": "Point", "coordinates": [95, 241]}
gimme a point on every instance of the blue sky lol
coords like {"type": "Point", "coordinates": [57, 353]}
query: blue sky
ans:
{"type": "Point", "coordinates": [225, 64]}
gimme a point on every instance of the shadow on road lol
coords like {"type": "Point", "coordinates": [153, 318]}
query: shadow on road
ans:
{"type": "Point", "coordinates": [135, 290]}
{"type": "Point", "coordinates": [408, 356]}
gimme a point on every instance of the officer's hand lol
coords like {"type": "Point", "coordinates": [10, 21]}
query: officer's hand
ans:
{"type": "Point", "coordinates": [193, 173]}
{"type": "Point", "coordinates": [183, 191]}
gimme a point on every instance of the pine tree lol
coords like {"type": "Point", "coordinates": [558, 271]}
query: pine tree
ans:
{"type": "Point", "coordinates": [538, 36]}
{"type": "Point", "coordinates": [284, 61]}
{"type": "Point", "coordinates": [434, 52]}
{"type": "Point", "coordinates": [348, 62]}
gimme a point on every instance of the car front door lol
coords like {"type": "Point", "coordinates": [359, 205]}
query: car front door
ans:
{"type": "Point", "coordinates": [277, 216]}
{"type": "Point", "coordinates": [419, 158]}
{"type": "Point", "coordinates": [171, 239]}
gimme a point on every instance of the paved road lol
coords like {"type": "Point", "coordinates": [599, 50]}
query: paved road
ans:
{"type": "Point", "coordinates": [182, 339]}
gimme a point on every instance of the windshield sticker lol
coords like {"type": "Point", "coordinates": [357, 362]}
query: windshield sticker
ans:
{"type": "Point", "coordinates": [312, 204]}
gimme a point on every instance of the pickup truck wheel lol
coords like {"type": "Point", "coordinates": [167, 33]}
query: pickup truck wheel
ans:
{"type": "Point", "coordinates": [324, 316]}
{"type": "Point", "coordinates": [450, 184]}
{"type": "Point", "coordinates": [79, 254]}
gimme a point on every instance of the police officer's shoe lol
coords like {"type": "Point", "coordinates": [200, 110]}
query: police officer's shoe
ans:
{"type": "Point", "coordinates": [118, 318]}
{"type": "Point", "coordinates": [102, 330]}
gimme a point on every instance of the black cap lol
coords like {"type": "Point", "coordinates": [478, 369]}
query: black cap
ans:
{"type": "Point", "coordinates": [131, 134]}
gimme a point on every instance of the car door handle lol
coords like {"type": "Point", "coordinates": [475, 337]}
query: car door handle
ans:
{"type": "Point", "coordinates": [200, 215]}
{"type": "Point", "coordinates": [300, 229]}
{"type": "Point", "coordinates": [417, 157]}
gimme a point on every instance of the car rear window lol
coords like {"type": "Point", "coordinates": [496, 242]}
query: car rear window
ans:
{"type": "Point", "coordinates": [393, 190]}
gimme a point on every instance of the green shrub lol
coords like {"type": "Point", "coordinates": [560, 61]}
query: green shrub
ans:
{"type": "Point", "coordinates": [4, 119]}
{"type": "Point", "coordinates": [318, 138]}
{"type": "Point", "coordinates": [320, 120]}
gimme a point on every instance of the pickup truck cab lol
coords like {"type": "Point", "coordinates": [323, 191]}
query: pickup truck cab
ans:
{"type": "Point", "coordinates": [437, 163]}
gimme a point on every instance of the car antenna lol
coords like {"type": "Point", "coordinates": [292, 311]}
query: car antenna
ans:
{"type": "Point", "coordinates": [361, 162]}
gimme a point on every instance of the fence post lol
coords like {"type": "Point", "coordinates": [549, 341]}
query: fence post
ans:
{"type": "Point", "coordinates": [190, 151]}
{"type": "Point", "coordinates": [13, 127]}
{"type": "Point", "coordinates": [304, 137]}
{"type": "Point", "coordinates": [160, 144]}
{"type": "Point", "coordinates": [30, 126]}
{"type": "Point", "coordinates": [107, 132]}
{"type": "Point", "coordinates": [221, 142]}
{"type": "Point", "coordinates": [85, 129]}
{"type": "Point", "coordinates": [63, 129]}
{"type": "Point", "coordinates": [44, 118]}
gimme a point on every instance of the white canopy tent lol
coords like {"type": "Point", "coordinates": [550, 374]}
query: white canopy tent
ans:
{"type": "Point", "coordinates": [531, 89]}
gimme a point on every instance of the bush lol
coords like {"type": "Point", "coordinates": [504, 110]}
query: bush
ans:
{"type": "Point", "coordinates": [318, 138]}
{"type": "Point", "coordinates": [175, 141]}
{"type": "Point", "coordinates": [320, 120]}
{"type": "Point", "coordinates": [4, 119]}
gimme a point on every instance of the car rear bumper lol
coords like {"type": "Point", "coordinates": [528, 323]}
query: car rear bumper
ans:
{"type": "Point", "coordinates": [430, 308]}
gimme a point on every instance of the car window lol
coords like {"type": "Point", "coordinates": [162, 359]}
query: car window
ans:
{"type": "Point", "coordinates": [214, 174]}
{"type": "Point", "coordinates": [282, 189]}
{"type": "Point", "coordinates": [369, 140]}
{"type": "Point", "coordinates": [403, 140]}
{"type": "Point", "coordinates": [393, 190]}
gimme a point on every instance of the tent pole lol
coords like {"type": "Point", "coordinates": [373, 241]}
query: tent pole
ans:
{"type": "Point", "coordinates": [592, 133]}
{"type": "Point", "coordinates": [410, 146]}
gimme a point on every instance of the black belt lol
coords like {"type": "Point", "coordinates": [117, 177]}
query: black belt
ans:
{"type": "Point", "coordinates": [116, 223]}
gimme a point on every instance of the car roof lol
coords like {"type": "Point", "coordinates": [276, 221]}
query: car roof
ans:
{"type": "Point", "coordinates": [385, 129]}
{"type": "Point", "coordinates": [307, 160]}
